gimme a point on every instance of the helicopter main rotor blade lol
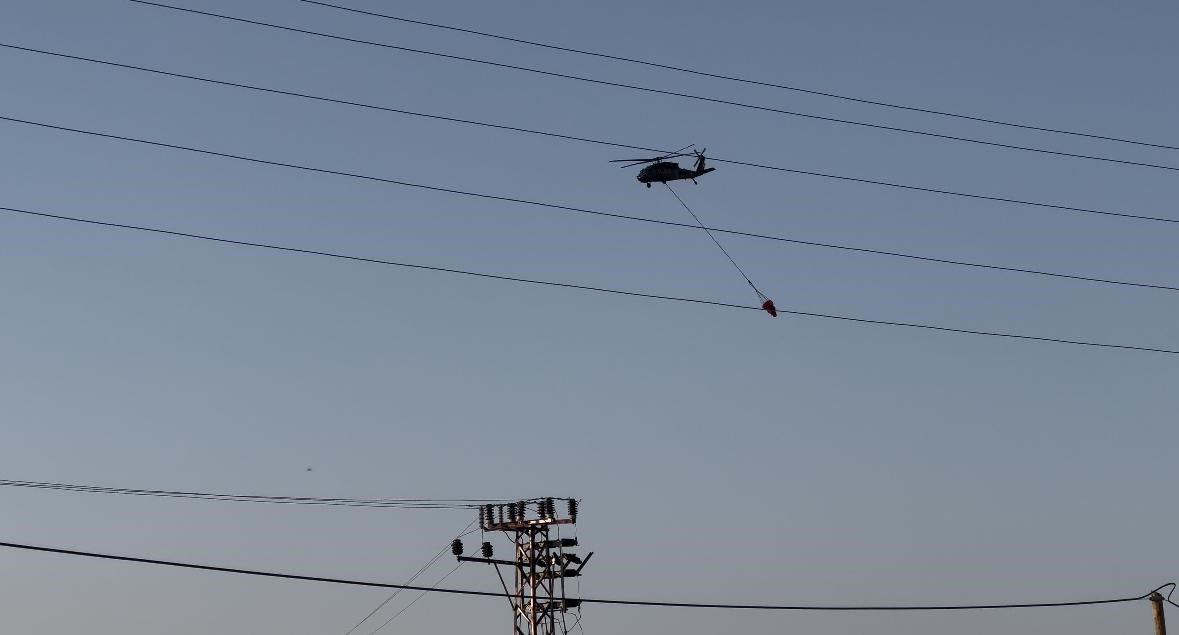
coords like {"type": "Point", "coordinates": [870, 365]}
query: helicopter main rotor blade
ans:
{"type": "Point", "coordinates": [642, 161]}
{"type": "Point", "coordinates": [651, 160]}
{"type": "Point", "coordinates": [670, 155]}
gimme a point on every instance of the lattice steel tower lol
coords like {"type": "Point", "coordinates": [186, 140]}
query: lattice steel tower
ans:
{"type": "Point", "coordinates": [541, 565]}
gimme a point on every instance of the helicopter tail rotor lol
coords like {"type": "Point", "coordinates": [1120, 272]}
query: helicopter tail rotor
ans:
{"type": "Point", "coordinates": [700, 159]}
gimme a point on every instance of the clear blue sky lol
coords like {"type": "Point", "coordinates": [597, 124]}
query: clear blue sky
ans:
{"type": "Point", "coordinates": [721, 454]}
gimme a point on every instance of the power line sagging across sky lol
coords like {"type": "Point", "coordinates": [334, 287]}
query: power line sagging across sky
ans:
{"type": "Point", "coordinates": [744, 80]}
{"type": "Point", "coordinates": [619, 216]}
{"type": "Point", "coordinates": [647, 89]}
{"type": "Point", "coordinates": [636, 294]}
{"type": "Point", "coordinates": [400, 503]}
{"type": "Point", "coordinates": [568, 137]}
{"type": "Point", "coordinates": [617, 602]}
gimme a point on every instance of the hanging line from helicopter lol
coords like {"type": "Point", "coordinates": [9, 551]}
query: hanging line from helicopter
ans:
{"type": "Point", "coordinates": [766, 303]}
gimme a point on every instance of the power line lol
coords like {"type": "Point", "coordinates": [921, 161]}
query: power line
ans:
{"type": "Point", "coordinates": [568, 208]}
{"type": "Point", "coordinates": [652, 296]}
{"type": "Point", "coordinates": [931, 190]}
{"type": "Point", "coordinates": [438, 556]}
{"type": "Point", "coordinates": [499, 594]}
{"type": "Point", "coordinates": [393, 263]}
{"type": "Point", "coordinates": [647, 89]}
{"type": "Point", "coordinates": [1168, 596]}
{"type": "Point", "coordinates": [397, 592]}
{"type": "Point", "coordinates": [1169, 600]}
{"type": "Point", "coordinates": [566, 137]}
{"type": "Point", "coordinates": [744, 80]}
{"type": "Point", "coordinates": [403, 503]}
{"type": "Point", "coordinates": [415, 600]}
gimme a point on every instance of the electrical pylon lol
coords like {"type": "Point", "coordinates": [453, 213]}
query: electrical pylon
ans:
{"type": "Point", "coordinates": [541, 564]}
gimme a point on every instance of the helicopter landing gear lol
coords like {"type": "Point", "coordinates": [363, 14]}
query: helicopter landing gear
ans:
{"type": "Point", "coordinates": [648, 185]}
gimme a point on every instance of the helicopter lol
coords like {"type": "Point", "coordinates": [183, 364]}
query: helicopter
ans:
{"type": "Point", "coordinates": [661, 170]}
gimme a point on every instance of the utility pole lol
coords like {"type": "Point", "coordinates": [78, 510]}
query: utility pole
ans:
{"type": "Point", "coordinates": [1160, 621]}
{"type": "Point", "coordinates": [540, 565]}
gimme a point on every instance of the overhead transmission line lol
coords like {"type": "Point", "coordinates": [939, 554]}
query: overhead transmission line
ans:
{"type": "Point", "coordinates": [420, 595]}
{"type": "Point", "coordinates": [568, 208]}
{"type": "Point", "coordinates": [567, 137]}
{"type": "Point", "coordinates": [743, 80]}
{"type": "Point", "coordinates": [397, 592]}
{"type": "Point", "coordinates": [470, 528]}
{"type": "Point", "coordinates": [566, 285]}
{"type": "Point", "coordinates": [477, 274]}
{"type": "Point", "coordinates": [647, 89]}
{"type": "Point", "coordinates": [402, 503]}
{"type": "Point", "coordinates": [1168, 596]}
{"type": "Point", "coordinates": [648, 603]}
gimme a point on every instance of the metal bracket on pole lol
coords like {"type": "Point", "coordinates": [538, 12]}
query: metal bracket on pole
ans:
{"type": "Point", "coordinates": [507, 563]}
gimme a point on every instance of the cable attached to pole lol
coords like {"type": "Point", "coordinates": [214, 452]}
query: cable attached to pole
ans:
{"type": "Point", "coordinates": [414, 601]}
{"type": "Point", "coordinates": [662, 604]}
{"type": "Point", "coordinates": [766, 303]}
{"type": "Point", "coordinates": [438, 556]}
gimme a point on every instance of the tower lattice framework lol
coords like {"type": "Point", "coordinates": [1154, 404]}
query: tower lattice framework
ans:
{"type": "Point", "coordinates": [542, 562]}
